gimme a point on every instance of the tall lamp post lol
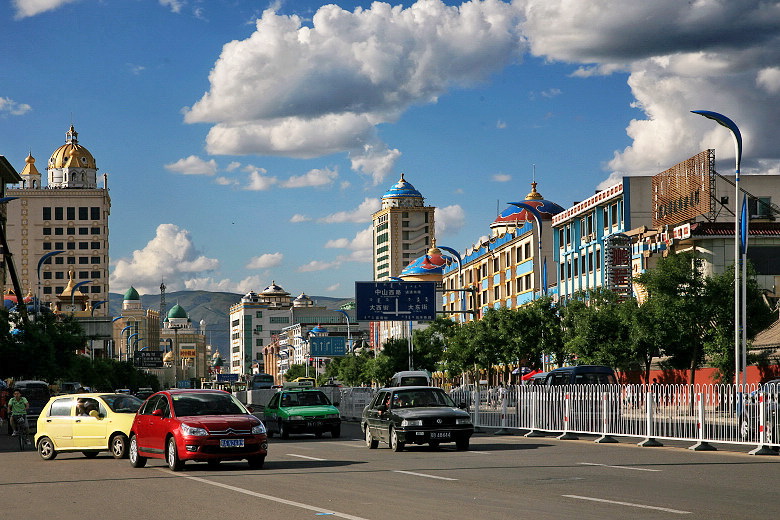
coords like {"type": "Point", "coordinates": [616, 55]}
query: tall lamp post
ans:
{"type": "Point", "coordinates": [9, 261]}
{"type": "Point", "coordinates": [349, 333]}
{"type": "Point", "coordinates": [176, 362]}
{"type": "Point", "coordinates": [738, 323]}
{"type": "Point", "coordinates": [308, 351]}
{"type": "Point", "coordinates": [542, 265]}
{"type": "Point", "coordinates": [73, 292]}
{"type": "Point", "coordinates": [42, 261]}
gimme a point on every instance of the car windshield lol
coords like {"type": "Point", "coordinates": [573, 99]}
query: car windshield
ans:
{"type": "Point", "coordinates": [304, 399]}
{"type": "Point", "coordinates": [122, 403]}
{"type": "Point", "coordinates": [211, 403]}
{"type": "Point", "coordinates": [421, 398]}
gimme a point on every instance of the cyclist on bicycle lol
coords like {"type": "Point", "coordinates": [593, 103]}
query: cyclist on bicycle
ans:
{"type": "Point", "coordinates": [17, 409]}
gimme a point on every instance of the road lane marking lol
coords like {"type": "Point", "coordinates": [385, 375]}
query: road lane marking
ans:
{"type": "Point", "coordinates": [642, 506]}
{"type": "Point", "coordinates": [423, 475]}
{"type": "Point", "coordinates": [619, 467]}
{"type": "Point", "coordinates": [318, 510]}
{"type": "Point", "coordinates": [304, 457]}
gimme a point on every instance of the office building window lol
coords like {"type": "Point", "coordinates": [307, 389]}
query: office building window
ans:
{"type": "Point", "coordinates": [59, 231]}
{"type": "Point", "coordinates": [59, 245]}
{"type": "Point", "coordinates": [46, 213]}
{"type": "Point", "coordinates": [83, 275]}
{"type": "Point", "coordinates": [95, 259]}
{"type": "Point", "coordinates": [70, 231]}
{"type": "Point", "coordinates": [58, 213]}
{"type": "Point", "coordinates": [95, 230]}
{"type": "Point", "coordinates": [83, 213]}
{"type": "Point", "coordinates": [83, 245]}
{"type": "Point", "coordinates": [95, 289]}
{"type": "Point", "coordinates": [71, 212]}
{"type": "Point", "coordinates": [59, 275]}
{"type": "Point", "coordinates": [94, 213]}
{"type": "Point", "coordinates": [47, 275]}
{"type": "Point", "coordinates": [47, 290]}
{"type": "Point", "coordinates": [46, 246]}
{"type": "Point", "coordinates": [83, 260]}
{"type": "Point", "coordinates": [95, 245]}
{"type": "Point", "coordinates": [95, 274]}
{"type": "Point", "coordinates": [47, 231]}
{"type": "Point", "coordinates": [83, 231]}
{"type": "Point", "coordinates": [59, 260]}
{"type": "Point", "coordinates": [71, 260]}
{"type": "Point", "coordinates": [71, 246]}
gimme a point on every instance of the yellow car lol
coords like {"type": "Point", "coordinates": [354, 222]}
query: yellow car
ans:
{"type": "Point", "coordinates": [89, 423]}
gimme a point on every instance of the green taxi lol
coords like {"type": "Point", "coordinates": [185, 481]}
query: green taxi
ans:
{"type": "Point", "coordinates": [301, 410]}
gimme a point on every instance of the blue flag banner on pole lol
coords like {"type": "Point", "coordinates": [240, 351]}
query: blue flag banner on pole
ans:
{"type": "Point", "coordinates": [743, 228]}
{"type": "Point", "coordinates": [544, 277]}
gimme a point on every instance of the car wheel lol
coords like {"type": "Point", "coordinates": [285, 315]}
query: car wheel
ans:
{"type": "Point", "coordinates": [136, 460]}
{"type": "Point", "coordinates": [283, 431]}
{"type": "Point", "coordinates": [371, 442]}
{"type": "Point", "coordinates": [46, 448]}
{"type": "Point", "coordinates": [90, 454]}
{"type": "Point", "coordinates": [256, 462]}
{"type": "Point", "coordinates": [119, 446]}
{"type": "Point", "coordinates": [462, 444]}
{"type": "Point", "coordinates": [173, 456]}
{"type": "Point", "coordinates": [336, 432]}
{"type": "Point", "coordinates": [395, 444]}
{"type": "Point", "coordinates": [434, 445]}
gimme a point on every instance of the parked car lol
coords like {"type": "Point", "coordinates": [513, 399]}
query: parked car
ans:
{"type": "Point", "coordinates": [410, 378]}
{"type": "Point", "coordinates": [301, 410]}
{"type": "Point", "coordinates": [581, 375]}
{"type": "Point", "coordinates": [89, 423]}
{"type": "Point", "coordinates": [199, 425]}
{"type": "Point", "coordinates": [415, 415]}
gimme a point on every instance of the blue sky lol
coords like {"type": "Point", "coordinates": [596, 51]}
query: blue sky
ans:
{"type": "Point", "coordinates": [250, 141]}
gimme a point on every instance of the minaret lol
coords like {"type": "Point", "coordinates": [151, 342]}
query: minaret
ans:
{"type": "Point", "coordinates": [31, 177]}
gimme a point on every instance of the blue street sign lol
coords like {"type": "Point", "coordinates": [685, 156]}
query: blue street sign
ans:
{"type": "Point", "coordinates": [227, 377]}
{"type": "Point", "coordinates": [327, 346]}
{"type": "Point", "coordinates": [395, 301]}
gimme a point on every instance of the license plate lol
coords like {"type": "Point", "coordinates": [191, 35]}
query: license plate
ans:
{"type": "Point", "coordinates": [440, 435]}
{"type": "Point", "coordinates": [231, 443]}
{"type": "Point", "coordinates": [314, 424]}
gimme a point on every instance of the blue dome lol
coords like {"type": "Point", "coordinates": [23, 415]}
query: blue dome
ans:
{"type": "Point", "coordinates": [402, 189]}
{"type": "Point", "coordinates": [433, 262]}
{"type": "Point", "coordinates": [319, 330]}
{"type": "Point", "coordinates": [514, 215]}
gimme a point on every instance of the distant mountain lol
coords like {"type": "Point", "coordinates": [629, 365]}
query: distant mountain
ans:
{"type": "Point", "coordinates": [213, 307]}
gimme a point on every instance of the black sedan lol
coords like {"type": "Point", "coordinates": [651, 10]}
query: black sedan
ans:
{"type": "Point", "coordinates": [415, 415]}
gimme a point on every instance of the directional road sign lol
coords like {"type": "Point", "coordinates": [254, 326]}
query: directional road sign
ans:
{"type": "Point", "coordinates": [395, 301]}
{"type": "Point", "coordinates": [227, 377]}
{"type": "Point", "coordinates": [327, 346]}
{"type": "Point", "coordinates": [148, 359]}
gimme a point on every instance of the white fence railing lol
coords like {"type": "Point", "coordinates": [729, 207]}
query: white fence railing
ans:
{"type": "Point", "coordinates": [702, 414]}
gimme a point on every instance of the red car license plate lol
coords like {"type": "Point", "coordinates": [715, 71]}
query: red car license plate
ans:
{"type": "Point", "coordinates": [231, 443]}
{"type": "Point", "coordinates": [440, 435]}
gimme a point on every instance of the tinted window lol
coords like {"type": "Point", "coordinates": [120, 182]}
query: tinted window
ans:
{"type": "Point", "coordinates": [34, 392]}
{"type": "Point", "coordinates": [122, 403]}
{"type": "Point", "coordinates": [560, 378]}
{"type": "Point", "coordinates": [151, 405]}
{"type": "Point", "coordinates": [304, 399]}
{"type": "Point", "coordinates": [274, 401]}
{"type": "Point", "coordinates": [61, 407]}
{"type": "Point", "coordinates": [414, 381]}
{"type": "Point", "coordinates": [594, 379]}
{"type": "Point", "coordinates": [206, 404]}
{"type": "Point", "coordinates": [421, 398]}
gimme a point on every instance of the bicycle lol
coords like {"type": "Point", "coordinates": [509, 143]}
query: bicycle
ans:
{"type": "Point", "coordinates": [23, 432]}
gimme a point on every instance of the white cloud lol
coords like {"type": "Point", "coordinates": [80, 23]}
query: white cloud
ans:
{"type": "Point", "coordinates": [360, 214]}
{"type": "Point", "coordinates": [501, 177]}
{"type": "Point", "coordinates": [10, 106]}
{"type": "Point", "coordinates": [449, 220]}
{"type": "Point", "coordinates": [273, 92]}
{"type": "Point", "coordinates": [333, 288]}
{"type": "Point", "coordinates": [551, 92]}
{"type": "Point", "coordinates": [193, 165]}
{"type": "Point", "coordinates": [170, 256]}
{"type": "Point", "coordinates": [225, 181]}
{"type": "Point", "coordinates": [360, 246]}
{"type": "Point", "coordinates": [26, 8]}
{"type": "Point", "coordinates": [318, 265]}
{"type": "Point", "coordinates": [174, 5]}
{"type": "Point", "coordinates": [259, 182]}
{"type": "Point", "coordinates": [298, 217]}
{"type": "Point", "coordinates": [265, 261]}
{"type": "Point", "coordinates": [678, 56]}
{"type": "Point", "coordinates": [316, 177]}
{"type": "Point", "coordinates": [500, 124]}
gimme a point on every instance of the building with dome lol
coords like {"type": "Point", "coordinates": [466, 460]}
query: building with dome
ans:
{"type": "Point", "coordinates": [403, 229]}
{"type": "Point", "coordinates": [190, 358]}
{"type": "Point", "coordinates": [69, 213]}
{"type": "Point", "coordinates": [507, 268]}
{"type": "Point", "coordinates": [136, 328]}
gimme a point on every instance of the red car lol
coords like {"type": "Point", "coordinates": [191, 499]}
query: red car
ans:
{"type": "Point", "coordinates": [200, 425]}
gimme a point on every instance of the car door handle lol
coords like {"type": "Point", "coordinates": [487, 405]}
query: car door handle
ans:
{"type": "Point", "coordinates": [78, 420]}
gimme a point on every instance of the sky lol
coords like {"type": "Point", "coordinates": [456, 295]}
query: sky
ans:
{"type": "Point", "coordinates": [247, 142]}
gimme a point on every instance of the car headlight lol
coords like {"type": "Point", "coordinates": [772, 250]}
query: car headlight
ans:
{"type": "Point", "coordinates": [193, 431]}
{"type": "Point", "coordinates": [411, 422]}
{"type": "Point", "coordinates": [296, 417]}
{"type": "Point", "coordinates": [463, 420]}
{"type": "Point", "coordinates": [258, 429]}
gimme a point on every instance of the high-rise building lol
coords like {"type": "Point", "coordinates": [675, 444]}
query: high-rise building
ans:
{"type": "Point", "coordinates": [403, 229]}
{"type": "Point", "coordinates": [69, 214]}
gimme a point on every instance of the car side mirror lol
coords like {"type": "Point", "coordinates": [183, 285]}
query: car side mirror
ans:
{"type": "Point", "coordinates": [250, 409]}
{"type": "Point", "coordinates": [157, 413]}
{"type": "Point", "coordinates": [463, 406]}
{"type": "Point", "coordinates": [336, 404]}
{"type": "Point", "coordinates": [381, 408]}
{"type": "Point", "coordinates": [95, 414]}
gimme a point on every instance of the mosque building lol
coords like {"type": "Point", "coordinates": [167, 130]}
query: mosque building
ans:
{"type": "Point", "coordinates": [66, 219]}
{"type": "Point", "coordinates": [136, 328]}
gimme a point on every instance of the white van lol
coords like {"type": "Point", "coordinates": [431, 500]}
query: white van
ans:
{"type": "Point", "coordinates": [410, 378]}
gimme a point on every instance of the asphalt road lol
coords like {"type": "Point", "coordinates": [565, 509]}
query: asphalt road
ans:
{"type": "Point", "coordinates": [502, 477]}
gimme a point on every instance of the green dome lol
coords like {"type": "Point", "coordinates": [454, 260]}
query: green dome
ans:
{"type": "Point", "coordinates": [132, 294]}
{"type": "Point", "coordinates": [177, 311]}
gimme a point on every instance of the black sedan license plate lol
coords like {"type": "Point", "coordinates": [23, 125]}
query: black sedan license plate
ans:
{"type": "Point", "coordinates": [231, 443]}
{"type": "Point", "coordinates": [440, 435]}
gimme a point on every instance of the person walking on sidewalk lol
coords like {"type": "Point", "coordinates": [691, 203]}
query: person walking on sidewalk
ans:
{"type": "Point", "coordinates": [17, 408]}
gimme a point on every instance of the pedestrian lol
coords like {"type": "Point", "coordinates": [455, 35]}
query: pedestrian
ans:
{"type": "Point", "coordinates": [17, 408]}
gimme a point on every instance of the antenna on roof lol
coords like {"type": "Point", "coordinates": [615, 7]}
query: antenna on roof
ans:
{"type": "Point", "coordinates": [534, 174]}
{"type": "Point", "coordinates": [162, 303]}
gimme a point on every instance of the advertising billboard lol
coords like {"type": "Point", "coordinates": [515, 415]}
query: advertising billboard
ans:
{"type": "Point", "coordinates": [684, 191]}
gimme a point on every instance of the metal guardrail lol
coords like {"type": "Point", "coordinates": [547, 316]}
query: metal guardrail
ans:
{"type": "Point", "coordinates": [701, 414]}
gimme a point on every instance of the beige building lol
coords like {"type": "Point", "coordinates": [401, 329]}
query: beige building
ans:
{"type": "Point", "coordinates": [69, 214]}
{"type": "Point", "coordinates": [136, 329]}
{"type": "Point", "coordinates": [8, 175]}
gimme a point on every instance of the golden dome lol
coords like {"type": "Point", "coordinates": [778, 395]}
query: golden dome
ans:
{"type": "Point", "coordinates": [168, 357]}
{"type": "Point", "coordinates": [72, 154]}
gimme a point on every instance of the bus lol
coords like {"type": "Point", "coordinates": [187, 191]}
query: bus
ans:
{"type": "Point", "coordinates": [261, 381]}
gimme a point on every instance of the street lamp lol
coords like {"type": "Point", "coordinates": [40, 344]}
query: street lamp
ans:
{"type": "Point", "coordinates": [349, 333]}
{"type": "Point", "coordinates": [738, 323]}
{"type": "Point", "coordinates": [9, 261]}
{"type": "Point", "coordinates": [42, 261]}
{"type": "Point", "coordinates": [542, 265]}
{"type": "Point", "coordinates": [73, 292]}
{"type": "Point", "coordinates": [308, 351]}
{"type": "Point", "coordinates": [176, 327]}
